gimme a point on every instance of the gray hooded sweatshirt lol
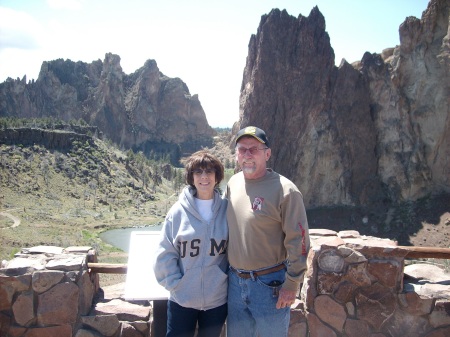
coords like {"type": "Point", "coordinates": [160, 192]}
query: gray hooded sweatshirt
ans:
{"type": "Point", "coordinates": [191, 260]}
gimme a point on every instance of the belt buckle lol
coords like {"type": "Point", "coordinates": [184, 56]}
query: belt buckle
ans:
{"type": "Point", "coordinates": [241, 274]}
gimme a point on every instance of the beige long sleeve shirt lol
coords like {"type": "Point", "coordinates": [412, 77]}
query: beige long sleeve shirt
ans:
{"type": "Point", "coordinates": [267, 225]}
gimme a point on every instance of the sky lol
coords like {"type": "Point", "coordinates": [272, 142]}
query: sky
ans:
{"type": "Point", "coordinates": [203, 42]}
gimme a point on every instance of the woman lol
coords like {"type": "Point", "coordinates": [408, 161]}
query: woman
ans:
{"type": "Point", "coordinates": [191, 261]}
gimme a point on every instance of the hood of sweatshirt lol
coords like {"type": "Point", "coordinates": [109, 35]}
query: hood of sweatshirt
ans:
{"type": "Point", "coordinates": [187, 201]}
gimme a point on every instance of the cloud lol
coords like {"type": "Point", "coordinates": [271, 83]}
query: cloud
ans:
{"type": "Point", "coordinates": [65, 4]}
{"type": "Point", "coordinates": [18, 30]}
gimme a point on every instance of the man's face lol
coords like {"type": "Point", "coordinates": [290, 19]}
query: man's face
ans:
{"type": "Point", "coordinates": [253, 161]}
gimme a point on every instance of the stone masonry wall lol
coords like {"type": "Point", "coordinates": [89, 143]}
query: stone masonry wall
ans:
{"type": "Point", "coordinates": [355, 286]}
{"type": "Point", "coordinates": [49, 292]}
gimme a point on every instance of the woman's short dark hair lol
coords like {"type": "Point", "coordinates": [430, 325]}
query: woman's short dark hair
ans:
{"type": "Point", "coordinates": [204, 160]}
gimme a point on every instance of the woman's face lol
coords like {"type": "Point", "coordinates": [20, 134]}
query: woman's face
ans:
{"type": "Point", "coordinates": [204, 182]}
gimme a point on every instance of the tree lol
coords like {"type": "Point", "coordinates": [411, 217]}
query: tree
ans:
{"type": "Point", "coordinates": [178, 180]}
{"type": "Point", "coordinates": [93, 186]}
{"type": "Point", "coordinates": [45, 168]}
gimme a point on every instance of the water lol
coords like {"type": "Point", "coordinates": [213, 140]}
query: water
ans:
{"type": "Point", "coordinates": [120, 238]}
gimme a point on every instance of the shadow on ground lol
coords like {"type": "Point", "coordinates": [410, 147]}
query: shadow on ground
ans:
{"type": "Point", "coordinates": [424, 222]}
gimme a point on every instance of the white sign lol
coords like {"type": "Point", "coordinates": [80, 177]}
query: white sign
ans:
{"type": "Point", "coordinates": [141, 282]}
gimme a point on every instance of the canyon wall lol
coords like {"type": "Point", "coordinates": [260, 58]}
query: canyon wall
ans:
{"type": "Point", "coordinates": [372, 132]}
{"type": "Point", "coordinates": [146, 111]}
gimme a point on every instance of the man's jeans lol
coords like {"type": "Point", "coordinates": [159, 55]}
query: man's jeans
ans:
{"type": "Point", "coordinates": [252, 307]}
{"type": "Point", "coordinates": [181, 321]}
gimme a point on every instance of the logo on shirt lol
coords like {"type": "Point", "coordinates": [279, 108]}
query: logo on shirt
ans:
{"type": "Point", "coordinates": [257, 203]}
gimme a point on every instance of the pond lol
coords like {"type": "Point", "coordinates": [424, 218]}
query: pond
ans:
{"type": "Point", "coordinates": [120, 238]}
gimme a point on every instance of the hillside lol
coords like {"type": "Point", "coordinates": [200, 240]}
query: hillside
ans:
{"type": "Point", "coordinates": [67, 197]}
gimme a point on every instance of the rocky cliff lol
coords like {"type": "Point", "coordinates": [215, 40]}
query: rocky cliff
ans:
{"type": "Point", "coordinates": [371, 132]}
{"type": "Point", "coordinates": [145, 110]}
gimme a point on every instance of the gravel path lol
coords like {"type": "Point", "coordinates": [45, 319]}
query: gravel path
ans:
{"type": "Point", "coordinates": [13, 218]}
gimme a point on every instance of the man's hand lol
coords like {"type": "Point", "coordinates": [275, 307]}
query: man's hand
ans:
{"type": "Point", "coordinates": [286, 298]}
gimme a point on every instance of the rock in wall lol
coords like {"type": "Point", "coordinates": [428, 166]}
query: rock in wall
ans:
{"type": "Point", "coordinates": [370, 132]}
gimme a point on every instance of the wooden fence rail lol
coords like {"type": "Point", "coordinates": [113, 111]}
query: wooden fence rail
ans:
{"type": "Point", "coordinates": [426, 252]}
{"type": "Point", "coordinates": [108, 268]}
{"type": "Point", "coordinates": [413, 252]}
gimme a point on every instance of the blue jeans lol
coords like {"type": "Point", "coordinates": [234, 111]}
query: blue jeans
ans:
{"type": "Point", "coordinates": [181, 321]}
{"type": "Point", "coordinates": [251, 307]}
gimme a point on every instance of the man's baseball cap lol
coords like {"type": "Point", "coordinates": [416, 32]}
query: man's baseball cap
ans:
{"type": "Point", "coordinates": [254, 132]}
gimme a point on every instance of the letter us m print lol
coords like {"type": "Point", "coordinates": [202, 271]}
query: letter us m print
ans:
{"type": "Point", "coordinates": [193, 247]}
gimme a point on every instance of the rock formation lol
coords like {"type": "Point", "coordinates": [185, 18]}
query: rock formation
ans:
{"type": "Point", "coordinates": [51, 139]}
{"type": "Point", "coordinates": [372, 132]}
{"type": "Point", "coordinates": [146, 110]}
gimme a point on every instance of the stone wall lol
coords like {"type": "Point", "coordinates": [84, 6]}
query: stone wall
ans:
{"type": "Point", "coordinates": [356, 286]}
{"type": "Point", "coordinates": [48, 291]}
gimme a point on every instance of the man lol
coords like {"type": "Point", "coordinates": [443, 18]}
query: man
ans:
{"type": "Point", "coordinates": [268, 242]}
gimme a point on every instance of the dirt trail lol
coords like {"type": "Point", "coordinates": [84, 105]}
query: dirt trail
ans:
{"type": "Point", "coordinates": [13, 218]}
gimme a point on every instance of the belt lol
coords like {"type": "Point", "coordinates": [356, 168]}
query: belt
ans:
{"type": "Point", "coordinates": [248, 274]}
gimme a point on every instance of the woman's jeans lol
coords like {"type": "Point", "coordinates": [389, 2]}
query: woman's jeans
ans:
{"type": "Point", "coordinates": [182, 322]}
{"type": "Point", "coordinates": [252, 307]}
